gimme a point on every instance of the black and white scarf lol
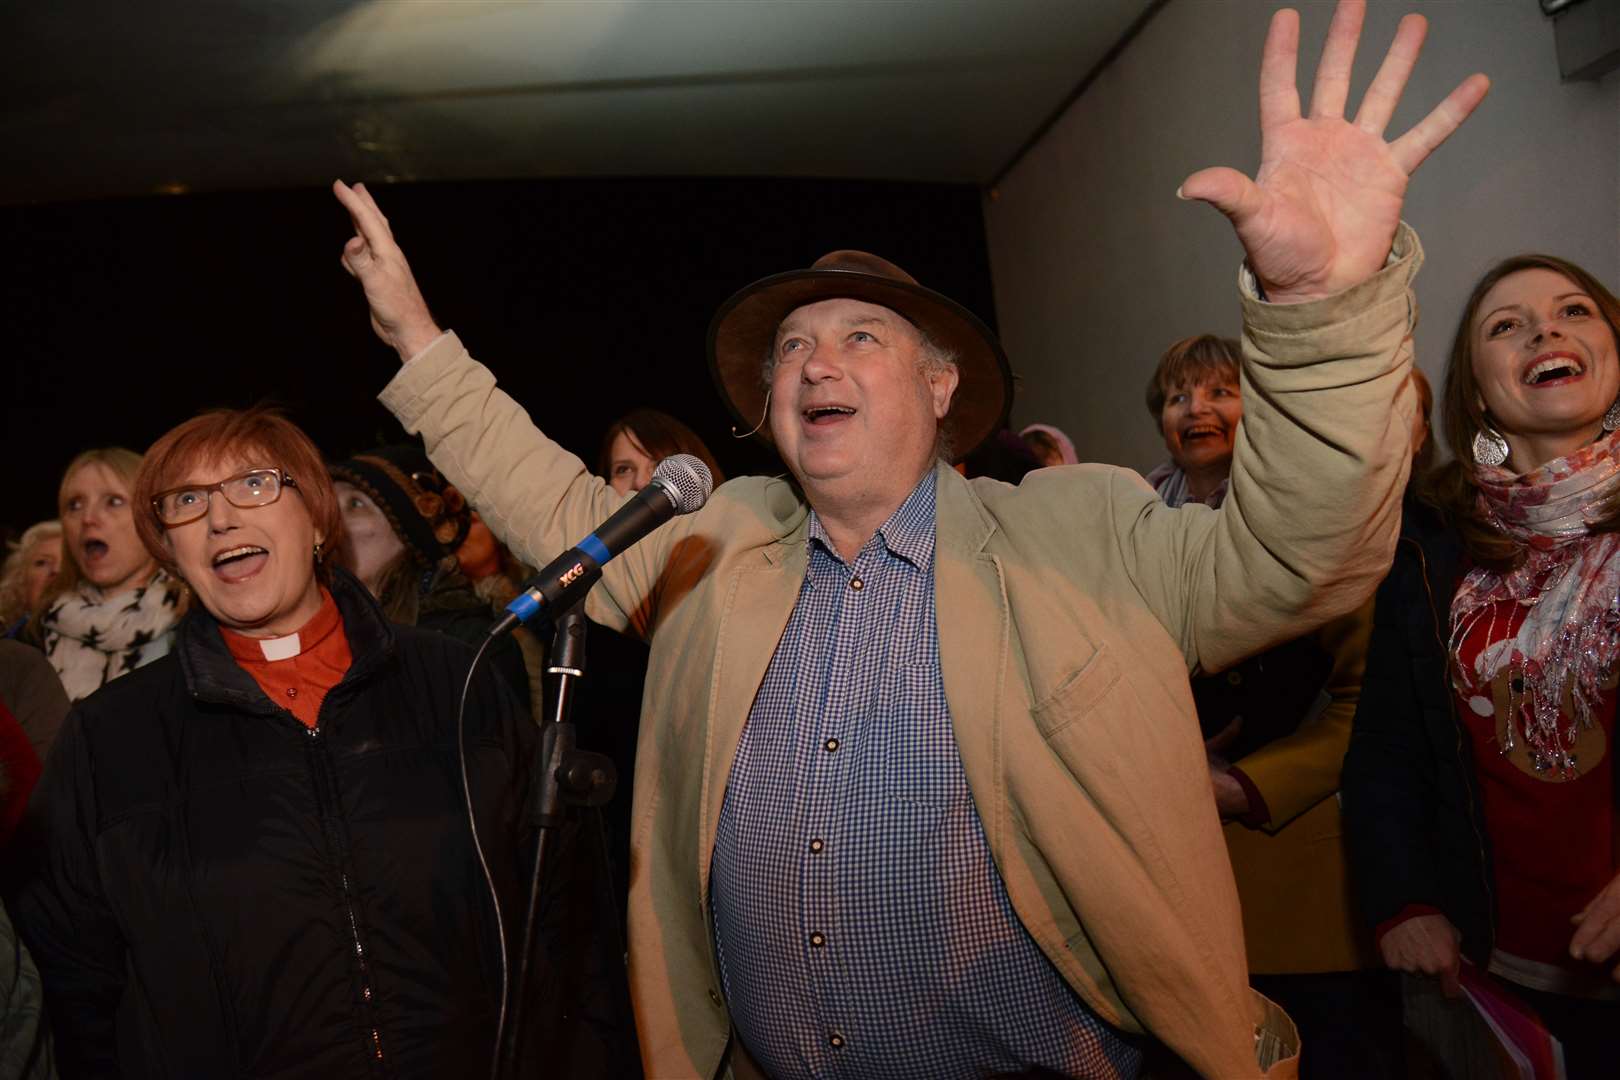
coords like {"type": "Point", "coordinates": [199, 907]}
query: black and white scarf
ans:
{"type": "Point", "coordinates": [92, 638]}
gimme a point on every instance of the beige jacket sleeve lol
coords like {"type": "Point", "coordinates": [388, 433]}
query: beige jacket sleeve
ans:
{"type": "Point", "coordinates": [1298, 771]}
{"type": "Point", "coordinates": [538, 498]}
{"type": "Point", "coordinates": [1310, 521]}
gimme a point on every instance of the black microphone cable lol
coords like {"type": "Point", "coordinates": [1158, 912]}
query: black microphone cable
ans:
{"type": "Point", "coordinates": [478, 849]}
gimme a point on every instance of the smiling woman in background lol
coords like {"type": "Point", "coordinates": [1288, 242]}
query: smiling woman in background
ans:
{"type": "Point", "coordinates": [1195, 398]}
{"type": "Point", "coordinates": [110, 609]}
{"type": "Point", "coordinates": [1480, 789]}
{"type": "Point", "coordinates": [1275, 728]}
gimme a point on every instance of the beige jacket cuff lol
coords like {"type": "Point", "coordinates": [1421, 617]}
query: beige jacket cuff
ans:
{"type": "Point", "coordinates": [1279, 323]}
{"type": "Point", "coordinates": [404, 393]}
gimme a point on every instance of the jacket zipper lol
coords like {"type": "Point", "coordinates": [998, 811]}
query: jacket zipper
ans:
{"type": "Point", "coordinates": [1462, 762]}
{"type": "Point", "coordinates": [328, 791]}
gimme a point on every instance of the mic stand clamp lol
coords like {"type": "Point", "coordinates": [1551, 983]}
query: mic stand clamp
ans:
{"type": "Point", "coordinates": [564, 776]}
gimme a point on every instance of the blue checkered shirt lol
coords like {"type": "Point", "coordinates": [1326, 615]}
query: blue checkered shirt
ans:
{"type": "Point", "coordinates": [860, 924]}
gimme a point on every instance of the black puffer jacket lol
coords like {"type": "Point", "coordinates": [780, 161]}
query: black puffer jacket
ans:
{"type": "Point", "coordinates": [1412, 815]}
{"type": "Point", "coordinates": [252, 898]}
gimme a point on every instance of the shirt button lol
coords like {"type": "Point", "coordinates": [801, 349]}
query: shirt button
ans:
{"type": "Point", "coordinates": [818, 939]}
{"type": "Point", "coordinates": [816, 846]}
{"type": "Point", "coordinates": [857, 584]}
{"type": "Point", "coordinates": [292, 691]}
{"type": "Point", "coordinates": [836, 1041]}
{"type": "Point", "coordinates": [831, 745]}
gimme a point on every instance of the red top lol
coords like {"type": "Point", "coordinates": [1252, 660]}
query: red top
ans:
{"type": "Point", "coordinates": [21, 769]}
{"type": "Point", "coordinates": [1552, 839]}
{"type": "Point", "coordinates": [305, 666]}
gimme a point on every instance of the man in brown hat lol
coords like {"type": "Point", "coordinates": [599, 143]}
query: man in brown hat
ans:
{"type": "Point", "coordinates": [920, 789]}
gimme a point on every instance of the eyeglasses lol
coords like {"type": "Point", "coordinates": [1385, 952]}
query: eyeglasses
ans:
{"type": "Point", "coordinates": [256, 487]}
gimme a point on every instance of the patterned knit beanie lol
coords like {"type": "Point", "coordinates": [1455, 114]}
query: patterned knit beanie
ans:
{"type": "Point", "coordinates": [428, 514]}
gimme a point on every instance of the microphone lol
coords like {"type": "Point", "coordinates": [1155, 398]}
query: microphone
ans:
{"type": "Point", "coordinates": [681, 484]}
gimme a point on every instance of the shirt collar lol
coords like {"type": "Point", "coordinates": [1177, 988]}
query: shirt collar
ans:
{"type": "Point", "coordinates": [909, 531]}
{"type": "Point", "coordinates": [251, 650]}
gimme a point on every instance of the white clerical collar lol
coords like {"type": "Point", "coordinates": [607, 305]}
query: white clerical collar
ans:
{"type": "Point", "coordinates": [281, 648]}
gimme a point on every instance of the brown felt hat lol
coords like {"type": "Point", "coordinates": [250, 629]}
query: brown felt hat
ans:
{"type": "Point", "coordinates": [744, 331]}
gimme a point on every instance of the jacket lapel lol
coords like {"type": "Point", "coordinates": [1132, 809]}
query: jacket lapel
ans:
{"type": "Point", "coordinates": [971, 610]}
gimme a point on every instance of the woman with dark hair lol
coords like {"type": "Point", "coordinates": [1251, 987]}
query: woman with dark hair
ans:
{"type": "Point", "coordinates": [635, 443]}
{"type": "Point", "coordinates": [255, 852]}
{"type": "Point", "coordinates": [1480, 784]}
{"type": "Point", "coordinates": [1276, 726]}
{"type": "Point", "coordinates": [110, 608]}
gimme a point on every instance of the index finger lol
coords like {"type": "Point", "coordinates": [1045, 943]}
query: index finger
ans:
{"type": "Point", "coordinates": [368, 220]}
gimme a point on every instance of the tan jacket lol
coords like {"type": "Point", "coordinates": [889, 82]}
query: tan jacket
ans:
{"type": "Point", "coordinates": [1292, 873]}
{"type": "Point", "coordinates": [1070, 609]}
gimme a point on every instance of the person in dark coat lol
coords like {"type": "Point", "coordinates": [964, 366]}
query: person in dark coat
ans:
{"type": "Point", "coordinates": [253, 857]}
{"type": "Point", "coordinates": [1480, 785]}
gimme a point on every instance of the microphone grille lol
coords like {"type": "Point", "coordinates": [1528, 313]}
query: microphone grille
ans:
{"type": "Point", "coordinates": [686, 480]}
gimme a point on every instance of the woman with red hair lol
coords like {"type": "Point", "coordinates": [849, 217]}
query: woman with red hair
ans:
{"type": "Point", "coordinates": [256, 849]}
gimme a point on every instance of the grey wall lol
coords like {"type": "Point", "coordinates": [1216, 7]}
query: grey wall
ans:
{"type": "Point", "coordinates": [1098, 266]}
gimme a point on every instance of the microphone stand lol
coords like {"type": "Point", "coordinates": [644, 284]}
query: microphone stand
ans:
{"type": "Point", "coordinates": [564, 776]}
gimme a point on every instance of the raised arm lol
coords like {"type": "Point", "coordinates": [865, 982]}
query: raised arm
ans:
{"type": "Point", "coordinates": [537, 497]}
{"type": "Point", "coordinates": [1309, 524]}
{"type": "Point", "coordinates": [399, 314]}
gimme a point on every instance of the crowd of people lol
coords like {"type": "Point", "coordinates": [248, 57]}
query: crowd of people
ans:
{"type": "Point", "coordinates": [942, 754]}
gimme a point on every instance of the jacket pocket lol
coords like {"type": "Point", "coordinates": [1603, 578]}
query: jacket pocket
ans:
{"type": "Point", "coordinates": [1078, 694]}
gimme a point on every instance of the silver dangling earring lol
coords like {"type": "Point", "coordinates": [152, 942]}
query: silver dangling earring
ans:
{"type": "Point", "coordinates": [317, 553]}
{"type": "Point", "coordinates": [1611, 419]}
{"type": "Point", "coordinates": [1489, 446]}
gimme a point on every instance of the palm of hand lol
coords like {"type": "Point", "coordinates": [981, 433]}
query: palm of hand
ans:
{"type": "Point", "coordinates": [1330, 198]}
{"type": "Point", "coordinates": [1321, 213]}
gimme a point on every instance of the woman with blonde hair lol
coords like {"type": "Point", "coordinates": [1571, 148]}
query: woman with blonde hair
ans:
{"type": "Point", "coordinates": [111, 609]}
{"type": "Point", "coordinates": [32, 563]}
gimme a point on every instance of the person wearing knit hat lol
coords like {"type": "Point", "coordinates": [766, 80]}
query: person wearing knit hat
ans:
{"type": "Point", "coordinates": [402, 525]}
{"type": "Point", "coordinates": [400, 490]}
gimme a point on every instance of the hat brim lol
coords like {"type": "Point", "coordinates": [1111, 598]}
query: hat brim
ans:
{"type": "Point", "coordinates": [743, 332]}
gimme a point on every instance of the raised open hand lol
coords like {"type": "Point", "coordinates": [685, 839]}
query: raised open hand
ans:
{"type": "Point", "coordinates": [1321, 213]}
{"type": "Point", "coordinates": [399, 315]}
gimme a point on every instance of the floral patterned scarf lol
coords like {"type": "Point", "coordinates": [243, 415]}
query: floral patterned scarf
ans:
{"type": "Point", "coordinates": [1569, 583]}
